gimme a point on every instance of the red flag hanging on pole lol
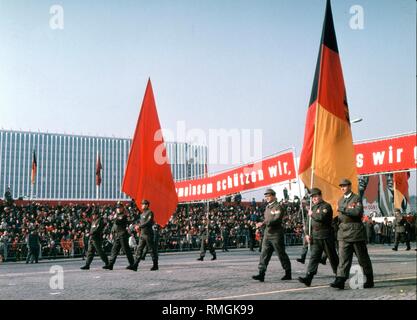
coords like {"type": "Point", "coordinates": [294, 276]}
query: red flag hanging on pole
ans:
{"type": "Point", "coordinates": [34, 168]}
{"type": "Point", "coordinates": [148, 173]}
{"type": "Point", "coordinates": [98, 170]}
{"type": "Point", "coordinates": [401, 196]}
{"type": "Point", "coordinates": [328, 154]}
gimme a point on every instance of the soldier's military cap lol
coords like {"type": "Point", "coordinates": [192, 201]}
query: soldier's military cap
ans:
{"type": "Point", "coordinates": [345, 182]}
{"type": "Point", "coordinates": [315, 191]}
{"type": "Point", "coordinates": [269, 191]}
{"type": "Point", "coordinates": [144, 201]}
{"type": "Point", "coordinates": [396, 210]}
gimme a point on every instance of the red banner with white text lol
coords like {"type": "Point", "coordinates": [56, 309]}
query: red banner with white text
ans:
{"type": "Point", "coordinates": [374, 156]}
{"type": "Point", "coordinates": [386, 155]}
{"type": "Point", "coordinates": [259, 174]}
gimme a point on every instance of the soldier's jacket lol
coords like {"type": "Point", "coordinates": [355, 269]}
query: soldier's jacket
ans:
{"type": "Point", "coordinates": [321, 220]}
{"type": "Point", "coordinates": [399, 224]}
{"type": "Point", "coordinates": [274, 213]}
{"type": "Point", "coordinates": [211, 233]}
{"type": "Point", "coordinates": [146, 222]}
{"type": "Point", "coordinates": [97, 227]}
{"type": "Point", "coordinates": [120, 224]}
{"type": "Point", "coordinates": [33, 241]}
{"type": "Point", "coordinates": [350, 226]}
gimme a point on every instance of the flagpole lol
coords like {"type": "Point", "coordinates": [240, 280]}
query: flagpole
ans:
{"type": "Point", "coordinates": [299, 188]}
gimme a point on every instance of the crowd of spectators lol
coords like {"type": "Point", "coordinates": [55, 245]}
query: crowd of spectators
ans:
{"type": "Point", "coordinates": [63, 228]}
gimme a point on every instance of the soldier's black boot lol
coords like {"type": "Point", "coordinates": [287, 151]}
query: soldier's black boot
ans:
{"type": "Point", "coordinates": [155, 265]}
{"type": "Point", "coordinates": [200, 259]}
{"type": "Point", "coordinates": [369, 281]}
{"type": "Point", "coordinates": [307, 279]}
{"type": "Point", "coordinates": [339, 283]}
{"type": "Point", "coordinates": [108, 266]}
{"type": "Point", "coordinates": [85, 267]}
{"type": "Point", "coordinates": [134, 266]}
{"type": "Point", "coordinates": [214, 257]}
{"type": "Point", "coordinates": [301, 260]}
{"type": "Point", "coordinates": [287, 275]}
{"type": "Point", "coordinates": [395, 249]}
{"type": "Point", "coordinates": [260, 277]}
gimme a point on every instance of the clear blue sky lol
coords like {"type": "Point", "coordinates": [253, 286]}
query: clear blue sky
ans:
{"type": "Point", "coordinates": [213, 64]}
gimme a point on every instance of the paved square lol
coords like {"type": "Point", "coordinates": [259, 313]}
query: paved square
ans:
{"type": "Point", "coordinates": [181, 277]}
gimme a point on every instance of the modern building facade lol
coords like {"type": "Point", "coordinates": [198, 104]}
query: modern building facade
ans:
{"type": "Point", "coordinates": [66, 164]}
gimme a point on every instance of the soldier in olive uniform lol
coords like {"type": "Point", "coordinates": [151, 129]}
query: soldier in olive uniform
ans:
{"type": "Point", "coordinates": [273, 239]}
{"type": "Point", "coordinates": [321, 239]}
{"type": "Point", "coordinates": [225, 237]}
{"type": "Point", "coordinates": [95, 241]}
{"type": "Point", "coordinates": [352, 237]}
{"type": "Point", "coordinates": [304, 252]}
{"type": "Point", "coordinates": [400, 224]}
{"type": "Point", "coordinates": [207, 242]}
{"type": "Point", "coordinates": [146, 240]}
{"type": "Point", "coordinates": [120, 238]}
{"type": "Point", "coordinates": [33, 245]}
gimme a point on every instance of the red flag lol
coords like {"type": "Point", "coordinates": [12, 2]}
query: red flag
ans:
{"type": "Point", "coordinates": [401, 196]}
{"type": "Point", "coordinates": [34, 168]}
{"type": "Point", "coordinates": [98, 170]}
{"type": "Point", "coordinates": [148, 173]}
{"type": "Point", "coordinates": [328, 155]}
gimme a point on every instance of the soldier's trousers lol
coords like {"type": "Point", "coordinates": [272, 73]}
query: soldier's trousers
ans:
{"type": "Point", "coordinates": [317, 248]}
{"type": "Point", "coordinates": [207, 245]}
{"type": "Point", "coordinates": [385, 238]}
{"type": "Point", "coordinates": [346, 250]}
{"type": "Point", "coordinates": [305, 250]}
{"type": "Point", "coordinates": [401, 237]}
{"type": "Point", "coordinates": [146, 242]}
{"type": "Point", "coordinates": [33, 254]}
{"type": "Point", "coordinates": [225, 243]}
{"type": "Point", "coordinates": [94, 245]}
{"type": "Point", "coordinates": [269, 245]}
{"type": "Point", "coordinates": [121, 241]}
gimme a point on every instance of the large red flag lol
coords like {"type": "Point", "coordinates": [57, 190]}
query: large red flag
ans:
{"type": "Point", "coordinates": [328, 154]}
{"type": "Point", "coordinates": [401, 196]}
{"type": "Point", "coordinates": [148, 173]}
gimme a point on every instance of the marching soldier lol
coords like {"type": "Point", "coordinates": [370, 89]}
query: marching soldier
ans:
{"type": "Point", "coordinates": [33, 245]}
{"type": "Point", "coordinates": [95, 241]}
{"type": "Point", "coordinates": [207, 242]}
{"type": "Point", "coordinates": [146, 239]}
{"type": "Point", "coordinates": [225, 237]}
{"type": "Point", "coordinates": [321, 238]}
{"type": "Point", "coordinates": [120, 238]}
{"type": "Point", "coordinates": [273, 239]}
{"type": "Point", "coordinates": [352, 237]}
{"type": "Point", "coordinates": [400, 224]}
